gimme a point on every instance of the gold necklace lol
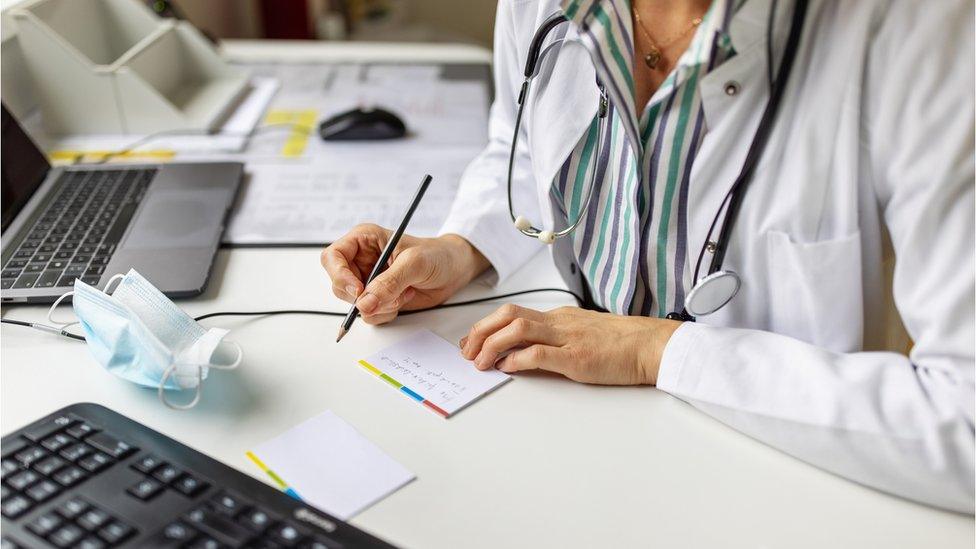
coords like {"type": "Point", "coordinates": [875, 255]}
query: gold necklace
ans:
{"type": "Point", "coordinates": [656, 52]}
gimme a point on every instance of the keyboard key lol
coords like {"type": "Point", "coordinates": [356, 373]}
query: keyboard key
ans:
{"type": "Point", "coordinates": [10, 273]}
{"type": "Point", "coordinates": [179, 531]}
{"type": "Point", "coordinates": [206, 542]}
{"type": "Point", "coordinates": [45, 524]}
{"type": "Point", "coordinates": [6, 283]}
{"type": "Point", "coordinates": [286, 534]}
{"type": "Point", "coordinates": [41, 257]}
{"type": "Point", "coordinates": [93, 519]}
{"type": "Point", "coordinates": [48, 279]}
{"type": "Point", "coordinates": [76, 452]}
{"type": "Point", "coordinates": [95, 270]}
{"type": "Point", "coordinates": [49, 465]}
{"type": "Point", "coordinates": [63, 255]}
{"type": "Point", "coordinates": [33, 268]}
{"type": "Point", "coordinates": [228, 504]}
{"type": "Point", "coordinates": [15, 264]}
{"type": "Point", "coordinates": [72, 508]}
{"type": "Point", "coordinates": [218, 526]}
{"type": "Point", "coordinates": [67, 536]}
{"type": "Point", "coordinates": [13, 446]}
{"type": "Point", "coordinates": [15, 506]}
{"type": "Point", "coordinates": [25, 281]}
{"type": "Point", "coordinates": [147, 464]}
{"type": "Point", "coordinates": [8, 467]}
{"type": "Point", "coordinates": [91, 280]}
{"type": "Point", "coordinates": [95, 462]}
{"type": "Point", "coordinates": [91, 543]}
{"type": "Point", "coordinates": [70, 476]}
{"type": "Point", "coordinates": [69, 247]}
{"type": "Point", "coordinates": [41, 431]}
{"type": "Point", "coordinates": [190, 486]}
{"type": "Point", "coordinates": [30, 455]}
{"type": "Point", "coordinates": [145, 489]}
{"type": "Point", "coordinates": [100, 260]}
{"type": "Point", "coordinates": [110, 445]}
{"type": "Point", "coordinates": [81, 258]}
{"type": "Point", "coordinates": [116, 532]}
{"type": "Point", "coordinates": [257, 520]}
{"type": "Point", "coordinates": [30, 244]}
{"type": "Point", "coordinates": [81, 430]}
{"type": "Point", "coordinates": [22, 480]}
{"type": "Point", "coordinates": [46, 249]}
{"type": "Point", "coordinates": [74, 270]}
{"type": "Point", "coordinates": [57, 264]}
{"type": "Point", "coordinates": [66, 281]}
{"type": "Point", "coordinates": [57, 441]}
{"type": "Point", "coordinates": [43, 491]}
{"type": "Point", "coordinates": [167, 474]}
{"type": "Point", "coordinates": [320, 544]}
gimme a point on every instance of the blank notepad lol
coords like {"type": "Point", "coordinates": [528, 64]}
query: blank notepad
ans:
{"type": "Point", "coordinates": [432, 372]}
{"type": "Point", "coordinates": [327, 463]}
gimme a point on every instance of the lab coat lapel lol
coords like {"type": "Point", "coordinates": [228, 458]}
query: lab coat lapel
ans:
{"type": "Point", "coordinates": [733, 98]}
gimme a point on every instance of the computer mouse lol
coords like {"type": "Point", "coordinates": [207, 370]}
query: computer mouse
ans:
{"type": "Point", "coordinates": [362, 124]}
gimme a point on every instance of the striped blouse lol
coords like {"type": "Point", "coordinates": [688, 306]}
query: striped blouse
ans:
{"type": "Point", "coordinates": [633, 242]}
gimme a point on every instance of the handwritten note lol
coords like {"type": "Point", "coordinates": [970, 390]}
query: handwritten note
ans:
{"type": "Point", "coordinates": [432, 372]}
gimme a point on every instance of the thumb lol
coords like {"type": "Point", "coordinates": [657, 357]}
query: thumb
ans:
{"type": "Point", "coordinates": [385, 290]}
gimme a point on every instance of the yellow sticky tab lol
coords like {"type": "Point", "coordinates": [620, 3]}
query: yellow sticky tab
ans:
{"type": "Point", "coordinates": [302, 122]}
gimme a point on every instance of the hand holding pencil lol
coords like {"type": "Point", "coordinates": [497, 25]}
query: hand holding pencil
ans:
{"type": "Point", "coordinates": [420, 273]}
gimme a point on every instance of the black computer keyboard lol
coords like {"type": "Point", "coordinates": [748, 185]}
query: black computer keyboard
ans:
{"type": "Point", "coordinates": [88, 477]}
{"type": "Point", "coordinates": [77, 232]}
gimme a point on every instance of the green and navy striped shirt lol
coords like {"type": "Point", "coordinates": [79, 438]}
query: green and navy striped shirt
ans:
{"type": "Point", "coordinates": [633, 242]}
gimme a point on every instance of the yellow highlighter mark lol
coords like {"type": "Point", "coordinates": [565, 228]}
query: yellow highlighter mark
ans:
{"type": "Point", "coordinates": [73, 156]}
{"type": "Point", "coordinates": [302, 123]}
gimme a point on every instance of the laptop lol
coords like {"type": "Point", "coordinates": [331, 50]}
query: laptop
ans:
{"type": "Point", "coordinates": [92, 222]}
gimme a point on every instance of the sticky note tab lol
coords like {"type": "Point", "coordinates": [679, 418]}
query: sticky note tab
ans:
{"type": "Point", "coordinates": [302, 122]}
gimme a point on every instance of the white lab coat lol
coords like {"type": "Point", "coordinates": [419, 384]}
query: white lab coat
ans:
{"type": "Point", "coordinates": [870, 164]}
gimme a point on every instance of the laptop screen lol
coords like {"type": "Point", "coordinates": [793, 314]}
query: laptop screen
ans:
{"type": "Point", "coordinates": [23, 166]}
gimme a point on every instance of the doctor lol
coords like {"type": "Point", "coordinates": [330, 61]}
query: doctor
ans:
{"type": "Point", "coordinates": [850, 341]}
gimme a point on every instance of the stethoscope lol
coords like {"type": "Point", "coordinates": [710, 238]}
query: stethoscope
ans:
{"type": "Point", "coordinates": [719, 286]}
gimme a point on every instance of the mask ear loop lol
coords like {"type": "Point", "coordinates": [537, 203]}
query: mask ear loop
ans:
{"type": "Point", "coordinates": [173, 406]}
{"type": "Point", "coordinates": [54, 306]}
{"type": "Point", "coordinates": [237, 361]}
{"type": "Point", "coordinates": [108, 284]}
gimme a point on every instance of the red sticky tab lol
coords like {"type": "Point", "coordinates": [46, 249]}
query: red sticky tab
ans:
{"type": "Point", "coordinates": [434, 407]}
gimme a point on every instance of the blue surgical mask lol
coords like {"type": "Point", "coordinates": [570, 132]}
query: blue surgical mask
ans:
{"type": "Point", "coordinates": [140, 335]}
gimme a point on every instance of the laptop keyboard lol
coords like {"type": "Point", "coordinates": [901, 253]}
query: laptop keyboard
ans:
{"type": "Point", "coordinates": [79, 230]}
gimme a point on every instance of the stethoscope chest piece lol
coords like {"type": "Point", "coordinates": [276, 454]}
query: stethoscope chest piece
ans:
{"type": "Point", "coordinates": [712, 293]}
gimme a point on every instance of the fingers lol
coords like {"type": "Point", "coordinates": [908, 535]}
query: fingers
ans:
{"type": "Point", "coordinates": [536, 357]}
{"type": "Point", "coordinates": [518, 333]}
{"type": "Point", "coordinates": [339, 262]}
{"type": "Point", "coordinates": [492, 323]}
{"type": "Point", "coordinates": [385, 292]}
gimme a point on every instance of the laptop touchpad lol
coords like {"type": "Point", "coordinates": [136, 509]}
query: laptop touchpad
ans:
{"type": "Point", "coordinates": [178, 218]}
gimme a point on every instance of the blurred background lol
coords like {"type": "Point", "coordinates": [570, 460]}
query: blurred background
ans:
{"type": "Point", "coordinates": [466, 21]}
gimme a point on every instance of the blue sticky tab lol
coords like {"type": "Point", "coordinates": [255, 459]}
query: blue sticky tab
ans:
{"type": "Point", "coordinates": [412, 394]}
{"type": "Point", "coordinates": [293, 494]}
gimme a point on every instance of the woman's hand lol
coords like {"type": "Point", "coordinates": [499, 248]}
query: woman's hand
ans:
{"type": "Point", "coordinates": [582, 345]}
{"type": "Point", "coordinates": [423, 272]}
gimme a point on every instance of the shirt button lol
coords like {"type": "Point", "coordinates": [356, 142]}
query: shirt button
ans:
{"type": "Point", "coordinates": [731, 87]}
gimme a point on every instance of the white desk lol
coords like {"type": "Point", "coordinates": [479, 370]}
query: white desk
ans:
{"type": "Point", "coordinates": [543, 462]}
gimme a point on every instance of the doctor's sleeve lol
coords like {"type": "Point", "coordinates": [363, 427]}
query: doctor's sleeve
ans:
{"type": "Point", "coordinates": [480, 210]}
{"type": "Point", "coordinates": [901, 424]}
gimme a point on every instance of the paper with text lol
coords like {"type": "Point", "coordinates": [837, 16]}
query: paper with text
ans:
{"type": "Point", "coordinates": [330, 465]}
{"type": "Point", "coordinates": [432, 371]}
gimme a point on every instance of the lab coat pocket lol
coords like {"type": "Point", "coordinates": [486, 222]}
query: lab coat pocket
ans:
{"type": "Point", "coordinates": [816, 290]}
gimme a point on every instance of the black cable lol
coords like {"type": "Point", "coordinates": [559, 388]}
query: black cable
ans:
{"type": "Point", "coordinates": [43, 327]}
{"type": "Point", "coordinates": [52, 329]}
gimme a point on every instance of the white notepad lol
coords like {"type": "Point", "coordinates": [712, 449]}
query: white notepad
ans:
{"type": "Point", "coordinates": [432, 372]}
{"type": "Point", "coordinates": [327, 463]}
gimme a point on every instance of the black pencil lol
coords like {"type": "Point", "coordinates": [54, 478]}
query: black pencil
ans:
{"type": "Point", "coordinates": [387, 251]}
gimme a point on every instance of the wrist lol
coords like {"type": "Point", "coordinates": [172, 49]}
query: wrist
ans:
{"type": "Point", "coordinates": [660, 332]}
{"type": "Point", "coordinates": [471, 261]}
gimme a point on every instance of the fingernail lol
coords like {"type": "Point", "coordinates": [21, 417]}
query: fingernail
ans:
{"type": "Point", "coordinates": [368, 303]}
{"type": "Point", "coordinates": [352, 290]}
{"type": "Point", "coordinates": [462, 343]}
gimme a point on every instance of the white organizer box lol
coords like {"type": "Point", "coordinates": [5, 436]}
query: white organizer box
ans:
{"type": "Point", "coordinates": [113, 66]}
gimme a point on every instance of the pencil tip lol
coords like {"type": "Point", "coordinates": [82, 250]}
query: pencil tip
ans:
{"type": "Point", "coordinates": [342, 334]}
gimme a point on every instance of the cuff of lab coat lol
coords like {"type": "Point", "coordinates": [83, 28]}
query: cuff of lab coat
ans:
{"type": "Point", "coordinates": [679, 371]}
{"type": "Point", "coordinates": [504, 247]}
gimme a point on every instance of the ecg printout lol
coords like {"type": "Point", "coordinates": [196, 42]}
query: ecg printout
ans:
{"type": "Point", "coordinates": [433, 372]}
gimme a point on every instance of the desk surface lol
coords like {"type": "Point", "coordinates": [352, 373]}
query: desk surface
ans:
{"type": "Point", "coordinates": [540, 462]}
